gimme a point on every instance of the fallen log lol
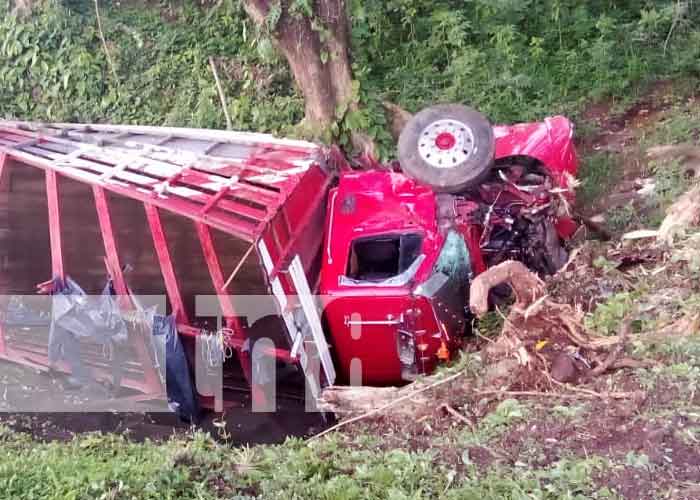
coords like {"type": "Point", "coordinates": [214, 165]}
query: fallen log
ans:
{"type": "Point", "coordinates": [409, 394]}
{"type": "Point", "coordinates": [357, 399]}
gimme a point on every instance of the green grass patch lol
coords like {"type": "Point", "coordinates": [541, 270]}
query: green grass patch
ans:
{"type": "Point", "coordinates": [598, 173]}
{"type": "Point", "coordinates": [339, 467]}
{"type": "Point", "coordinates": [680, 124]}
{"type": "Point", "coordinates": [95, 466]}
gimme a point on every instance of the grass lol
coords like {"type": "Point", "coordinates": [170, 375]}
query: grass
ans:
{"type": "Point", "coordinates": [679, 124]}
{"type": "Point", "coordinates": [543, 448]}
{"type": "Point", "coordinates": [674, 119]}
{"type": "Point", "coordinates": [515, 61]}
{"type": "Point", "coordinates": [338, 468]}
{"type": "Point", "coordinates": [362, 463]}
{"type": "Point", "coordinates": [598, 174]}
{"type": "Point", "coordinates": [94, 466]}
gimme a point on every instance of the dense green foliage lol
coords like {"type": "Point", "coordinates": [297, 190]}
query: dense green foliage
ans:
{"type": "Point", "coordinates": [514, 59]}
{"type": "Point", "coordinates": [53, 67]}
{"type": "Point", "coordinates": [520, 59]}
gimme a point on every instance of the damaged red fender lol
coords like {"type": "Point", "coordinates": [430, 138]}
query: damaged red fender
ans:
{"type": "Point", "coordinates": [549, 141]}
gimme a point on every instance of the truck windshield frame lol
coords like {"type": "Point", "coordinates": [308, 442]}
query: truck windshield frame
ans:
{"type": "Point", "coordinates": [383, 259]}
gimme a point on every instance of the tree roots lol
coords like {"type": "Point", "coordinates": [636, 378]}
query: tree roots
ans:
{"type": "Point", "coordinates": [542, 339]}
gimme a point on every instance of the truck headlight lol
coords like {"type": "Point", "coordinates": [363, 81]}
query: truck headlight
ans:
{"type": "Point", "coordinates": [406, 348]}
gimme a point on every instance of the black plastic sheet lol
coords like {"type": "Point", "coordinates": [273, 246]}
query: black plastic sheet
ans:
{"type": "Point", "coordinates": [178, 376]}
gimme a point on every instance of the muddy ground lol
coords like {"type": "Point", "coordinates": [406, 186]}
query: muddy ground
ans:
{"type": "Point", "coordinates": [623, 134]}
{"type": "Point", "coordinates": [80, 411]}
{"type": "Point", "coordinates": [646, 438]}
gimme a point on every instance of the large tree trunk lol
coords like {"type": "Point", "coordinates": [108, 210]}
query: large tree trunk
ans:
{"type": "Point", "coordinates": [302, 48]}
{"type": "Point", "coordinates": [320, 63]}
{"type": "Point", "coordinates": [334, 16]}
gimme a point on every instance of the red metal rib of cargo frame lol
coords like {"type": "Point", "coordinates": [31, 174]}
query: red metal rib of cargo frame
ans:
{"type": "Point", "coordinates": [253, 187]}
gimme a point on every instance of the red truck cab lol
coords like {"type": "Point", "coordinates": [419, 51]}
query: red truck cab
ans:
{"type": "Point", "coordinates": [383, 278]}
{"type": "Point", "coordinates": [398, 257]}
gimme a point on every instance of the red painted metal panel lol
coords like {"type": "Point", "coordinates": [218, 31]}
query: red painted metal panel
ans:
{"type": "Point", "coordinates": [214, 266]}
{"type": "Point", "coordinates": [241, 189]}
{"type": "Point", "coordinates": [52, 197]}
{"type": "Point", "coordinates": [112, 255]}
{"type": "Point", "coordinates": [258, 168]}
{"type": "Point", "coordinates": [185, 184]}
{"type": "Point", "coordinates": [243, 199]}
{"type": "Point", "coordinates": [549, 141]}
{"type": "Point", "coordinates": [213, 201]}
{"type": "Point", "coordinates": [221, 221]}
{"type": "Point", "coordinates": [239, 198]}
{"type": "Point", "coordinates": [166, 263]}
{"type": "Point", "coordinates": [3, 162]}
{"type": "Point", "coordinates": [229, 312]}
{"type": "Point", "coordinates": [298, 212]}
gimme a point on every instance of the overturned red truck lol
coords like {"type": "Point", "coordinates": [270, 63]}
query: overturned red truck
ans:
{"type": "Point", "coordinates": [369, 270]}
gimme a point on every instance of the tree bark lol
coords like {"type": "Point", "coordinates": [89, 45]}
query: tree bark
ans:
{"type": "Point", "coordinates": [302, 48]}
{"type": "Point", "coordinates": [318, 52]}
{"type": "Point", "coordinates": [335, 18]}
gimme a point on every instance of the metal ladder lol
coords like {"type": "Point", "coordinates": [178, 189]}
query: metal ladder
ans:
{"type": "Point", "coordinates": [303, 322]}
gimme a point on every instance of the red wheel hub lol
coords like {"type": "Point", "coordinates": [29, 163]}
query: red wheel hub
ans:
{"type": "Point", "coordinates": [445, 141]}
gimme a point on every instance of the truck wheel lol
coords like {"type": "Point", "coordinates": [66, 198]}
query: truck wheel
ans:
{"type": "Point", "coordinates": [449, 147]}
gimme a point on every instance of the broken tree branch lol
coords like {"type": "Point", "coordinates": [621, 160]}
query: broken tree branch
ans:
{"type": "Point", "coordinates": [457, 414]}
{"type": "Point", "coordinates": [222, 96]}
{"type": "Point", "coordinates": [104, 42]}
{"type": "Point", "coordinates": [394, 402]}
{"type": "Point", "coordinates": [526, 286]}
{"type": "Point", "coordinates": [616, 350]}
{"type": "Point", "coordinates": [684, 213]}
{"type": "Point", "coordinates": [561, 395]}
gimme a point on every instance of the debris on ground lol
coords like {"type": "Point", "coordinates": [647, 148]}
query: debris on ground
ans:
{"type": "Point", "coordinates": [543, 342]}
{"type": "Point", "coordinates": [685, 211]}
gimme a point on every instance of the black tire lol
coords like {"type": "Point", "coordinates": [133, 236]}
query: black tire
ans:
{"type": "Point", "coordinates": [465, 166]}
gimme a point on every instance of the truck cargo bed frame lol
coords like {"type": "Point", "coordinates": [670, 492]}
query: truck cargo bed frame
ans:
{"type": "Point", "coordinates": [265, 191]}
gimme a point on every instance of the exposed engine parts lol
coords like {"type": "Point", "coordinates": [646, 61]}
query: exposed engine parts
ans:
{"type": "Point", "coordinates": [517, 209]}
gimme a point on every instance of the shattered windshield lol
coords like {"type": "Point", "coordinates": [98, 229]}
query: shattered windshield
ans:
{"type": "Point", "coordinates": [385, 260]}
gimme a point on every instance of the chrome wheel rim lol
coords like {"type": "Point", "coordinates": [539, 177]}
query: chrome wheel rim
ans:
{"type": "Point", "coordinates": [446, 144]}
